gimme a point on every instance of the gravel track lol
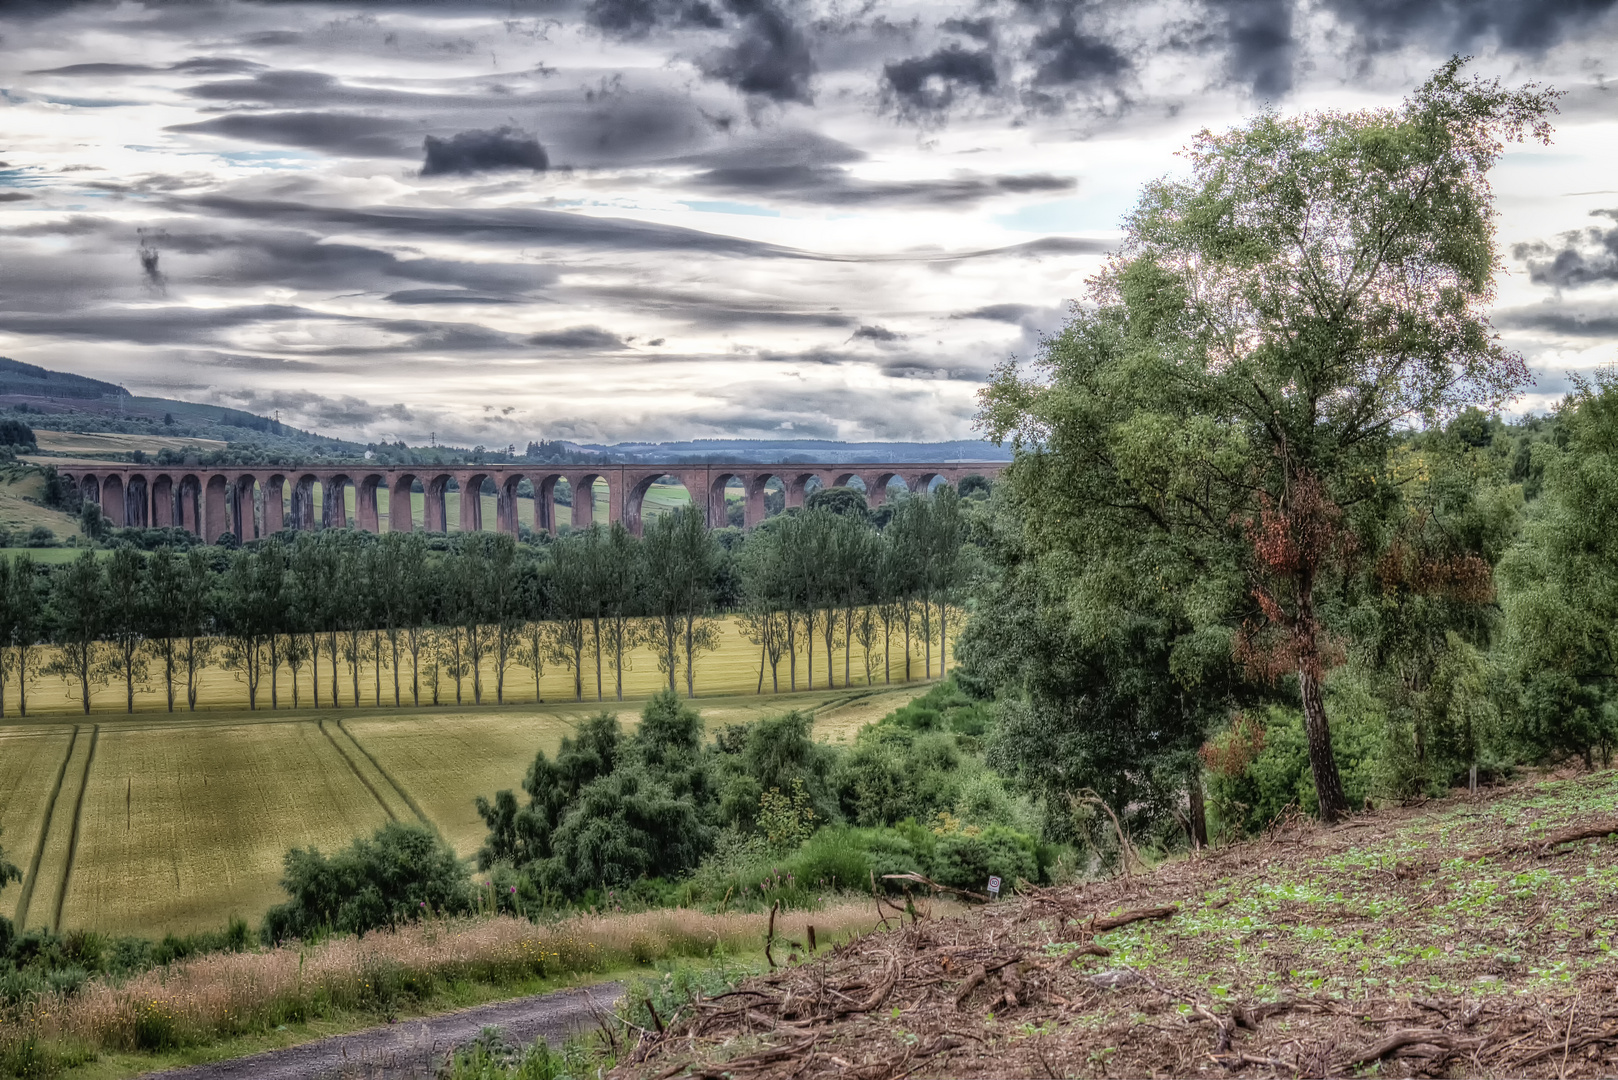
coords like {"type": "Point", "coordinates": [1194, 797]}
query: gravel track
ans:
{"type": "Point", "coordinates": [415, 1048]}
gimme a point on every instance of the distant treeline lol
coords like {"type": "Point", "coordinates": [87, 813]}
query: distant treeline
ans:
{"type": "Point", "coordinates": [443, 612]}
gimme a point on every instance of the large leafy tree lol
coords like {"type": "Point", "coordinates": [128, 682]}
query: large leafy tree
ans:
{"type": "Point", "coordinates": [1249, 358]}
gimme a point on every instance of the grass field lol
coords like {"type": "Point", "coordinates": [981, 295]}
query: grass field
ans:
{"type": "Point", "coordinates": [18, 513]}
{"type": "Point", "coordinates": [154, 823]}
{"type": "Point", "coordinates": [99, 444]}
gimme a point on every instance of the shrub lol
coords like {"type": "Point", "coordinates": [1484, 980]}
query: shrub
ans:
{"type": "Point", "coordinates": [402, 873]}
{"type": "Point", "coordinates": [965, 861]}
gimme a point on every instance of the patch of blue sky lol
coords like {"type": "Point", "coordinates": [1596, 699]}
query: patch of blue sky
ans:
{"type": "Point", "coordinates": [1083, 214]}
{"type": "Point", "coordinates": [21, 178]}
{"type": "Point", "coordinates": [724, 206]}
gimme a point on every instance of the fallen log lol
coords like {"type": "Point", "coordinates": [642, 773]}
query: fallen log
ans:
{"type": "Point", "coordinates": [1408, 1037]}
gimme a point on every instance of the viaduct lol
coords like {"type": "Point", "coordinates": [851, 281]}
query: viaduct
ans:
{"type": "Point", "coordinates": [253, 502]}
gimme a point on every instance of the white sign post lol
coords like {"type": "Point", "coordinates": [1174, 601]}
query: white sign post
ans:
{"type": "Point", "coordinates": [994, 886]}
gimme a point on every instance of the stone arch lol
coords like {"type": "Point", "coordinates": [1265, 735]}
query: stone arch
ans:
{"type": "Point", "coordinates": [188, 504]}
{"type": "Point", "coordinates": [880, 493]}
{"type": "Point", "coordinates": [798, 489]}
{"type": "Point", "coordinates": [582, 487]}
{"type": "Point", "coordinates": [757, 488]}
{"type": "Point", "coordinates": [274, 508]}
{"type": "Point", "coordinates": [634, 503]}
{"type": "Point", "coordinates": [434, 517]}
{"type": "Point", "coordinates": [112, 499]}
{"type": "Point", "coordinates": [922, 483]}
{"type": "Point", "coordinates": [366, 515]}
{"type": "Point", "coordinates": [215, 517]}
{"type": "Point", "coordinates": [719, 500]}
{"type": "Point", "coordinates": [163, 501]}
{"type": "Point", "coordinates": [402, 503]}
{"type": "Point", "coordinates": [137, 502]}
{"type": "Point", "coordinates": [507, 518]}
{"type": "Point", "coordinates": [244, 507]}
{"type": "Point", "coordinates": [90, 489]}
{"type": "Point", "coordinates": [303, 503]}
{"type": "Point", "coordinates": [545, 502]}
{"type": "Point", "coordinates": [471, 500]}
{"type": "Point", "coordinates": [334, 500]}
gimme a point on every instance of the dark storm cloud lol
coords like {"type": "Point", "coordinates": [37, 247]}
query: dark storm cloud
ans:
{"type": "Point", "coordinates": [483, 151]}
{"type": "Point", "coordinates": [516, 226]}
{"type": "Point", "coordinates": [577, 338]}
{"type": "Point", "coordinates": [1444, 25]}
{"type": "Point", "coordinates": [14, 196]}
{"type": "Point", "coordinates": [1006, 313]}
{"type": "Point", "coordinates": [768, 55]}
{"type": "Point", "coordinates": [980, 29]}
{"type": "Point", "coordinates": [165, 325]}
{"type": "Point", "coordinates": [1560, 321]}
{"type": "Point", "coordinates": [1584, 257]}
{"type": "Point", "coordinates": [634, 18]}
{"type": "Point", "coordinates": [831, 185]}
{"type": "Point", "coordinates": [197, 65]}
{"type": "Point", "coordinates": [1261, 46]}
{"type": "Point", "coordinates": [342, 133]}
{"type": "Point", "coordinates": [1068, 54]}
{"type": "Point", "coordinates": [928, 84]}
{"type": "Point", "coordinates": [443, 296]}
{"type": "Point", "coordinates": [877, 333]}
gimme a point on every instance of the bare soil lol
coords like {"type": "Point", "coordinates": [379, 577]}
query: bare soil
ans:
{"type": "Point", "coordinates": [1462, 937]}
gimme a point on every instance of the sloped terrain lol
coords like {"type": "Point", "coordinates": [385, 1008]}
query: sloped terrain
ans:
{"type": "Point", "coordinates": [1464, 937]}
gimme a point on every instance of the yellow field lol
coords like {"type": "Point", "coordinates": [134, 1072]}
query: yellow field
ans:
{"type": "Point", "coordinates": [19, 514]}
{"type": "Point", "coordinates": [731, 669]}
{"type": "Point", "coordinates": [184, 820]}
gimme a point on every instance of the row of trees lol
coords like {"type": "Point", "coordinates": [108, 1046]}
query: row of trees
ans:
{"type": "Point", "coordinates": [327, 607]}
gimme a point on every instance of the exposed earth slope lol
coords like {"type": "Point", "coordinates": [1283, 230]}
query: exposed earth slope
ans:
{"type": "Point", "coordinates": [1461, 938]}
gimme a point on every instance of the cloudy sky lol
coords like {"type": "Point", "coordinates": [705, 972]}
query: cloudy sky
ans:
{"type": "Point", "coordinates": [617, 219]}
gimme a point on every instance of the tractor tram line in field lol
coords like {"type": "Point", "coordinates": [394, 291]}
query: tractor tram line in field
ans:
{"type": "Point", "coordinates": [26, 899]}
{"type": "Point", "coordinates": [397, 787]}
{"type": "Point", "coordinates": [355, 769]}
{"type": "Point", "coordinates": [73, 834]}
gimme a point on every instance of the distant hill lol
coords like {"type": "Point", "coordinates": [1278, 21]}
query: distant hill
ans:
{"type": "Point", "coordinates": [27, 380]}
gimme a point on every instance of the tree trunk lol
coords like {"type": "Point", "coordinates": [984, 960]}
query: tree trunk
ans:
{"type": "Point", "coordinates": [1198, 812]}
{"type": "Point", "coordinates": [1328, 784]}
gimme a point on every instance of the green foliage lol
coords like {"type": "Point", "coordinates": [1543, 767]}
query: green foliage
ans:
{"type": "Point", "coordinates": [843, 501]}
{"type": "Point", "coordinates": [1280, 777]}
{"type": "Point", "coordinates": [785, 820]}
{"type": "Point", "coordinates": [967, 860]}
{"type": "Point", "coordinates": [402, 873]}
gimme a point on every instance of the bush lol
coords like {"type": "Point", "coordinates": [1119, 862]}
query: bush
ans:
{"type": "Point", "coordinates": [965, 861]}
{"type": "Point", "coordinates": [40, 537]}
{"type": "Point", "coordinates": [1279, 776]}
{"type": "Point", "coordinates": [402, 873]}
{"type": "Point", "coordinates": [16, 433]}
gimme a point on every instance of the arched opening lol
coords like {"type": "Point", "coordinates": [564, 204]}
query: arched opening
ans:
{"type": "Point", "coordinates": [508, 512]}
{"type": "Point", "coordinates": [766, 497]}
{"type": "Point", "coordinates": [855, 481]}
{"type": "Point", "coordinates": [727, 502]}
{"type": "Point", "coordinates": [90, 490]}
{"type": "Point", "coordinates": [303, 503]}
{"type": "Point", "coordinates": [545, 516]}
{"type": "Point", "coordinates": [244, 508]}
{"type": "Point", "coordinates": [435, 503]}
{"type": "Point", "coordinates": [163, 502]}
{"type": "Point", "coordinates": [112, 500]}
{"type": "Point", "coordinates": [665, 494]}
{"type": "Point", "coordinates": [468, 509]}
{"type": "Point", "coordinates": [215, 515]}
{"type": "Point", "coordinates": [188, 505]}
{"type": "Point", "coordinates": [596, 507]}
{"type": "Point", "coordinates": [927, 483]}
{"type": "Point", "coordinates": [273, 504]}
{"type": "Point", "coordinates": [367, 511]}
{"type": "Point", "coordinates": [136, 503]}
{"type": "Point", "coordinates": [402, 501]}
{"type": "Point", "coordinates": [334, 502]}
{"type": "Point", "coordinates": [892, 486]}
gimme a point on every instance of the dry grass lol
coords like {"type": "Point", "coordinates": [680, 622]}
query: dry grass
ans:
{"type": "Point", "coordinates": [227, 994]}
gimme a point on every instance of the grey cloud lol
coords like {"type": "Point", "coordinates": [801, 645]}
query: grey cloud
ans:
{"type": "Point", "coordinates": [343, 133]}
{"type": "Point", "coordinates": [443, 296]}
{"type": "Point", "coordinates": [981, 29]}
{"type": "Point", "coordinates": [928, 84]}
{"type": "Point", "coordinates": [1560, 321]}
{"type": "Point", "coordinates": [483, 151]}
{"type": "Point", "coordinates": [197, 65]}
{"type": "Point", "coordinates": [577, 337]}
{"type": "Point", "coordinates": [14, 196]}
{"type": "Point", "coordinates": [1584, 257]}
{"type": "Point", "coordinates": [768, 55]}
{"type": "Point", "coordinates": [1006, 313]}
{"type": "Point", "coordinates": [877, 333]}
{"type": "Point", "coordinates": [1262, 49]}
{"type": "Point", "coordinates": [828, 184]}
{"type": "Point", "coordinates": [634, 18]}
{"type": "Point", "coordinates": [1446, 25]}
{"type": "Point", "coordinates": [1068, 54]}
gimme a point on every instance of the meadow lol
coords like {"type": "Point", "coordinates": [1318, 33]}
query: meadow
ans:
{"type": "Point", "coordinates": [155, 824]}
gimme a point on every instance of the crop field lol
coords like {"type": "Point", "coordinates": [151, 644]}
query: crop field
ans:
{"type": "Point", "coordinates": [102, 444]}
{"type": "Point", "coordinates": [732, 668]}
{"type": "Point", "coordinates": [155, 824]}
{"type": "Point", "coordinates": [18, 513]}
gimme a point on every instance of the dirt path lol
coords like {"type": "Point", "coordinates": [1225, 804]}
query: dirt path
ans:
{"type": "Point", "coordinates": [414, 1048]}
